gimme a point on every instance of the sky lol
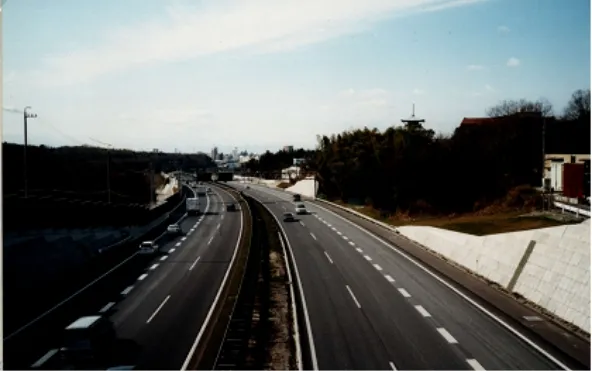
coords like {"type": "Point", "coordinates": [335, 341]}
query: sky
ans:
{"type": "Point", "coordinates": [260, 74]}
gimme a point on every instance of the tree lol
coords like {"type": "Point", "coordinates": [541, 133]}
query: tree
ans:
{"type": "Point", "coordinates": [578, 106]}
{"type": "Point", "coordinates": [511, 107]}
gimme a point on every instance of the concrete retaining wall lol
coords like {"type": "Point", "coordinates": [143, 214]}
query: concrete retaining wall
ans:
{"type": "Point", "coordinates": [554, 274]}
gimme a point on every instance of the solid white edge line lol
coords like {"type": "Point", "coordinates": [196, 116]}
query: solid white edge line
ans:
{"type": "Point", "coordinates": [475, 364]}
{"type": "Point", "coordinates": [328, 257]}
{"type": "Point", "coordinates": [222, 285]}
{"type": "Point", "coordinates": [392, 366]}
{"type": "Point", "coordinates": [313, 352]}
{"type": "Point", "coordinates": [443, 281]}
{"type": "Point", "coordinates": [68, 298]}
{"type": "Point", "coordinates": [446, 335]}
{"type": "Point", "coordinates": [293, 306]}
{"type": "Point", "coordinates": [422, 311]}
{"type": "Point", "coordinates": [351, 293]}
{"type": "Point", "coordinates": [158, 309]}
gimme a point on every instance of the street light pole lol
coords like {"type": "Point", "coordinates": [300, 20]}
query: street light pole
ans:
{"type": "Point", "coordinates": [26, 115]}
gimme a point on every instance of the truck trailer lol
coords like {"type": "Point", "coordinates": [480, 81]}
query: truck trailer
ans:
{"type": "Point", "coordinates": [192, 206]}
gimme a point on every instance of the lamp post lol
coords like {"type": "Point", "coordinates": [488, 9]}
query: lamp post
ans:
{"type": "Point", "coordinates": [26, 115]}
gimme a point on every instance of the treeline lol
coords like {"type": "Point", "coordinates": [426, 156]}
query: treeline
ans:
{"type": "Point", "coordinates": [270, 164]}
{"type": "Point", "coordinates": [82, 171]}
{"type": "Point", "coordinates": [411, 169]}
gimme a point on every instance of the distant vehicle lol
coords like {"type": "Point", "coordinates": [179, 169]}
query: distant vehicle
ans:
{"type": "Point", "coordinates": [230, 207]}
{"type": "Point", "coordinates": [296, 198]}
{"type": "Point", "coordinates": [192, 206]}
{"type": "Point", "coordinates": [174, 229]}
{"type": "Point", "coordinates": [248, 187]}
{"type": "Point", "coordinates": [289, 217]}
{"type": "Point", "coordinates": [148, 247]}
{"type": "Point", "coordinates": [209, 190]}
{"type": "Point", "coordinates": [300, 209]}
{"type": "Point", "coordinates": [200, 190]}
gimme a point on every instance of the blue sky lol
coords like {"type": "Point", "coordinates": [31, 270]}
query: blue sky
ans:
{"type": "Point", "coordinates": [261, 74]}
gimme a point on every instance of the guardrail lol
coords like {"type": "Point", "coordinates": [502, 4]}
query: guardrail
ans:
{"type": "Point", "coordinates": [572, 208]}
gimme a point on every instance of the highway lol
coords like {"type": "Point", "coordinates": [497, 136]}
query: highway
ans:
{"type": "Point", "coordinates": [371, 308]}
{"type": "Point", "coordinates": [162, 313]}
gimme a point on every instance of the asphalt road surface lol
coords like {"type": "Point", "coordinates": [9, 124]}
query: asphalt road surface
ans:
{"type": "Point", "coordinates": [371, 308]}
{"type": "Point", "coordinates": [162, 313]}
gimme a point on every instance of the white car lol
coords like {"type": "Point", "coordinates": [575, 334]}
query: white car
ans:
{"type": "Point", "coordinates": [174, 229]}
{"type": "Point", "coordinates": [148, 247]}
{"type": "Point", "coordinates": [300, 209]}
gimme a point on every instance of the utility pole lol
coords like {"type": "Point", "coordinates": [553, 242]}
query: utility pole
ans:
{"type": "Point", "coordinates": [26, 115]}
{"type": "Point", "coordinates": [109, 147]}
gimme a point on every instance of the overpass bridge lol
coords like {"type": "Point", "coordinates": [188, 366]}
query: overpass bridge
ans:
{"type": "Point", "coordinates": [215, 174]}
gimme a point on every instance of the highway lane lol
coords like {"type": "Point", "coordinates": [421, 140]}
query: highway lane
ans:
{"type": "Point", "coordinates": [357, 320]}
{"type": "Point", "coordinates": [384, 282]}
{"type": "Point", "coordinates": [164, 311]}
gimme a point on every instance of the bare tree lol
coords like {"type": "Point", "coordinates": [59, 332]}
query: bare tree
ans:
{"type": "Point", "coordinates": [578, 106]}
{"type": "Point", "coordinates": [510, 107]}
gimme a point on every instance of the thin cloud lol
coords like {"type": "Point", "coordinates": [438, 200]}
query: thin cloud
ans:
{"type": "Point", "coordinates": [475, 67]}
{"type": "Point", "coordinates": [513, 62]}
{"type": "Point", "coordinates": [503, 29]}
{"type": "Point", "coordinates": [258, 26]}
{"type": "Point", "coordinates": [417, 91]}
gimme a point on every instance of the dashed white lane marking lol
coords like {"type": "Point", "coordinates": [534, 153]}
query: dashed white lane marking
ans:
{"type": "Point", "coordinates": [404, 293]}
{"type": "Point", "coordinates": [210, 241]}
{"type": "Point", "coordinates": [329, 225]}
{"type": "Point", "coordinates": [422, 311]}
{"type": "Point", "coordinates": [474, 364]}
{"type": "Point", "coordinates": [389, 278]}
{"type": "Point", "coordinates": [183, 238]}
{"type": "Point", "coordinates": [195, 262]}
{"type": "Point", "coordinates": [353, 297]}
{"type": "Point", "coordinates": [351, 243]}
{"type": "Point", "coordinates": [378, 267]}
{"type": "Point", "coordinates": [359, 250]}
{"type": "Point", "coordinates": [393, 366]}
{"type": "Point", "coordinates": [328, 257]}
{"type": "Point", "coordinates": [172, 250]}
{"type": "Point", "coordinates": [178, 244]}
{"type": "Point", "coordinates": [302, 224]}
{"type": "Point", "coordinates": [107, 307]}
{"type": "Point", "coordinates": [158, 309]}
{"type": "Point", "coordinates": [153, 267]}
{"type": "Point", "coordinates": [367, 258]}
{"type": "Point", "coordinates": [339, 233]}
{"type": "Point", "coordinates": [345, 238]}
{"type": "Point", "coordinates": [163, 258]}
{"type": "Point", "coordinates": [142, 277]}
{"type": "Point", "coordinates": [222, 217]}
{"type": "Point", "coordinates": [127, 290]}
{"type": "Point", "coordinates": [449, 338]}
{"type": "Point", "coordinates": [218, 227]}
{"type": "Point", "coordinates": [313, 236]}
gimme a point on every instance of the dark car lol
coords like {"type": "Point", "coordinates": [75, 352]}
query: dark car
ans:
{"type": "Point", "coordinates": [230, 207]}
{"type": "Point", "coordinates": [296, 198]}
{"type": "Point", "coordinates": [289, 217]}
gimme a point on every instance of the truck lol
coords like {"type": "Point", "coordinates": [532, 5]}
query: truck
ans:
{"type": "Point", "coordinates": [192, 206]}
{"type": "Point", "coordinates": [87, 343]}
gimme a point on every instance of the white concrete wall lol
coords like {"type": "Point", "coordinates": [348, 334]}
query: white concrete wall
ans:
{"type": "Point", "coordinates": [556, 276]}
{"type": "Point", "coordinates": [305, 187]}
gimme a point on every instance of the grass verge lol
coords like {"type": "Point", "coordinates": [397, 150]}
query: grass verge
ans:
{"type": "Point", "coordinates": [475, 224]}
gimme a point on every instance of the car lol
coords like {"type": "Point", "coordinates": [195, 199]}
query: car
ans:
{"type": "Point", "coordinates": [148, 247]}
{"type": "Point", "coordinates": [230, 207]}
{"type": "Point", "coordinates": [248, 187]}
{"type": "Point", "coordinates": [301, 209]}
{"type": "Point", "coordinates": [174, 229]}
{"type": "Point", "coordinates": [296, 198]}
{"type": "Point", "coordinates": [209, 190]}
{"type": "Point", "coordinates": [289, 217]}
